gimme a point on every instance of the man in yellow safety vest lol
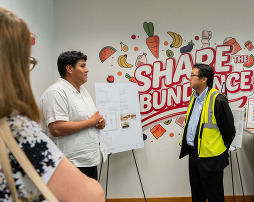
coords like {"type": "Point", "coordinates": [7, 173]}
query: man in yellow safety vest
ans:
{"type": "Point", "coordinates": [208, 133]}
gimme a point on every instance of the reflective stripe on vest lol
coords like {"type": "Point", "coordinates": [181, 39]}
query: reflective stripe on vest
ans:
{"type": "Point", "coordinates": [210, 123]}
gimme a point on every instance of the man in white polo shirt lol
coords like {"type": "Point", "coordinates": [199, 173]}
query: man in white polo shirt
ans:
{"type": "Point", "coordinates": [71, 116]}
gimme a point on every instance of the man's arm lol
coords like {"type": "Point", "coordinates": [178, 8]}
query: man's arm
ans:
{"type": "Point", "coordinates": [225, 120]}
{"type": "Point", "coordinates": [62, 128]}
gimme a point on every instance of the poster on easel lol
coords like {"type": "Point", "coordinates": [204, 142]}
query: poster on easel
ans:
{"type": "Point", "coordinates": [250, 114]}
{"type": "Point", "coordinates": [239, 125]}
{"type": "Point", "coordinates": [119, 105]}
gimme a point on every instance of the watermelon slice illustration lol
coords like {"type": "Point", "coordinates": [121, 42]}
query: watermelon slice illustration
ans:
{"type": "Point", "coordinates": [106, 52]}
{"type": "Point", "coordinates": [250, 61]}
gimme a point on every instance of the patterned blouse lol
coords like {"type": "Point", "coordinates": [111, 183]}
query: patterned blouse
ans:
{"type": "Point", "coordinates": [40, 150]}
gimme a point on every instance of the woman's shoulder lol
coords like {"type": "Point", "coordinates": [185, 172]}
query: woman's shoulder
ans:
{"type": "Point", "coordinates": [22, 125]}
{"type": "Point", "coordinates": [25, 130]}
{"type": "Point", "coordinates": [38, 147]}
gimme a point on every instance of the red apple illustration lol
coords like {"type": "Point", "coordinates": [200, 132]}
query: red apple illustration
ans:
{"type": "Point", "coordinates": [110, 79]}
{"type": "Point", "coordinates": [32, 38]}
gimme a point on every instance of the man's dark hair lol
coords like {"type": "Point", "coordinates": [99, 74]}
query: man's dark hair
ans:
{"type": "Point", "coordinates": [207, 71]}
{"type": "Point", "coordinates": [68, 58]}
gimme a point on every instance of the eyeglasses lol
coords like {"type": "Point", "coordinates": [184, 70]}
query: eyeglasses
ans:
{"type": "Point", "coordinates": [194, 75]}
{"type": "Point", "coordinates": [33, 62]}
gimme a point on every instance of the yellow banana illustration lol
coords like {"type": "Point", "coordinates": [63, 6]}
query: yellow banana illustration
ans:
{"type": "Point", "coordinates": [122, 61]}
{"type": "Point", "coordinates": [177, 40]}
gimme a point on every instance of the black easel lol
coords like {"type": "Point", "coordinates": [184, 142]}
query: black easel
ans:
{"type": "Point", "coordinates": [108, 170]}
{"type": "Point", "coordinates": [139, 175]}
{"type": "Point", "coordinates": [231, 163]}
{"type": "Point", "coordinates": [107, 176]}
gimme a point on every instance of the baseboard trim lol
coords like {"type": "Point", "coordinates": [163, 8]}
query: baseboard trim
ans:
{"type": "Point", "coordinates": [239, 198]}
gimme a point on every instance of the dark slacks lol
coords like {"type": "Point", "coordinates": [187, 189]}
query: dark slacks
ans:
{"type": "Point", "coordinates": [89, 171]}
{"type": "Point", "coordinates": [203, 188]}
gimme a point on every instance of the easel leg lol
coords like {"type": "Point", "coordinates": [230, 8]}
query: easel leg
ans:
{"type": "Point", "coordinates": [139, 175]}
{"type": "Point", "coordinates": [232, 175]}
{"type": "Point", "coordinates": [240, 175]}
{"type": "Point", "coordinates": [107, 178]}
{"type": "Point", "coordinates": [100, 171]}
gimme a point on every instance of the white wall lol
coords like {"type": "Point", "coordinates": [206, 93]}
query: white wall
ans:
{"type": "Point", "coordinates": [39, 16]}
{"type": "Point", "coordinates": [90, 25]}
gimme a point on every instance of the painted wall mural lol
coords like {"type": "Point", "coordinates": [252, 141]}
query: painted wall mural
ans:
{"type": "Point", "coordinates": [153, 40]}
{"type": "Point", "coordinates": [33, 36]}
{"type": "Point", "coordinates": [164, 90]}
{"type": "Point", "coordinates": [122, 61]}
{"type": "Point", "coordinates": [106, 52]}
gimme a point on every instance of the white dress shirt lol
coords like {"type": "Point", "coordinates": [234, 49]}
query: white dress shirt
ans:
{"type": "Point", "coordinates": [62, 102]}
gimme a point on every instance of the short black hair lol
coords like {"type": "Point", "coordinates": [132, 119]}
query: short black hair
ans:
{"type": "Point", "coordinates": [69, 58]}
{"type": "Point", "coordinates": [207, 71]}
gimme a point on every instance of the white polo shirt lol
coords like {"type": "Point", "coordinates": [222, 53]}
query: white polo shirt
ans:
{"type": "Point", "coordinates": [62, 102]}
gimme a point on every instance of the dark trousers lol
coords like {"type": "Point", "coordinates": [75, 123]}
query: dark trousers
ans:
{"type": "Point", "coordinates": [203, 188]}
{"type": "Point", "coordinates": [89, 171]}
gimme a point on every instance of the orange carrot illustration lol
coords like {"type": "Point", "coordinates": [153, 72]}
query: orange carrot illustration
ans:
{"type": "Point", "coordinates": [152, 41]}
{"type": "Point", "coordinates": [131, 78]}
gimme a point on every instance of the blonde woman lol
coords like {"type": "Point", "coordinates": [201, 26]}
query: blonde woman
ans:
{"type": "Point", "coordinates": [17, 103]}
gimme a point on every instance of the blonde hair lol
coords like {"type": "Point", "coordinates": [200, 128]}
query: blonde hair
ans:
{"type": "Point", "coordinates": [15, 46]}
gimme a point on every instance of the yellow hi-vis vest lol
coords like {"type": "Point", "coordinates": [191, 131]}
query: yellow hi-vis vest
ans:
{"type": "Point", "coordinates": [210, 141]}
